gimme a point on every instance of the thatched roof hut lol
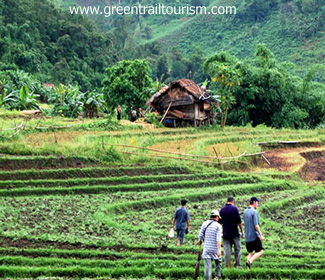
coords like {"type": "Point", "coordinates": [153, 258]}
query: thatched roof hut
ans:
{"type": "Point", "coordinates": [183, 100]}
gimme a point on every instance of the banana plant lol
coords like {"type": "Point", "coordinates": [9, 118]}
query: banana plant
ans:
{"type": "Point", "coordinates": [26, 100]}
{"type": "Point", "coordinates": [93, 103]}
{"type": "Point", "coordinates": [7, 100]}
{"type": "Point", "coordinates": [21, 99]}
{"type": "Point", "coordinates": [67, 101]}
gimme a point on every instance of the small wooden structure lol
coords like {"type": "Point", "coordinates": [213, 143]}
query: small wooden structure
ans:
{"type": "Point", "coordinates": [183, 101]}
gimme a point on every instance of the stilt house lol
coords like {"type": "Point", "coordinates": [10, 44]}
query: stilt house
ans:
{"type": "Point", "coordinates": [183, 101]}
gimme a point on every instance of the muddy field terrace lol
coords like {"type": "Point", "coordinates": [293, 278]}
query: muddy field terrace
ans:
{"type": "Point", "coordinates": [79, 201]}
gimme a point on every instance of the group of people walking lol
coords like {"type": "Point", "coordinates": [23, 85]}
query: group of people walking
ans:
{"type": "Point", "coordinates": [212, 233]}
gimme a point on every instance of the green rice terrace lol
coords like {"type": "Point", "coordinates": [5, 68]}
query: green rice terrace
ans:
{"type": "Point", "coordinates": [78, 201]}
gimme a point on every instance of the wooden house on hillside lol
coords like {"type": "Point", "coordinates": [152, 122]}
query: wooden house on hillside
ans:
{"type": "Point", "coordinates": [183, 101]}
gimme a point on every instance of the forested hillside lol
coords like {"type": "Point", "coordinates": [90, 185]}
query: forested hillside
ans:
{"type": "Point", "coordinates": [43, 38]}
{"type": "Point", "coordinates": [56, 47]}
{"type": "Point", "coordinates": [293, 30]}
{"type": "Point", "coordinates": [42, 42]}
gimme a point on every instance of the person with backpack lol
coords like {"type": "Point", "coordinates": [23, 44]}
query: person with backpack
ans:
{"type": "Point", "coordinates": [210, 234]}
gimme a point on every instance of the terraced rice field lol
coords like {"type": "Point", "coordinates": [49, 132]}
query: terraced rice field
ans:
{"type": "Point", "coordinates": [73, 217]}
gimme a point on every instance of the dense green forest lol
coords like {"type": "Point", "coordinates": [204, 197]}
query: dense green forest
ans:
{"type": "Point", "coordinates": [279, 83]}
{"type": "Point", "coordinates": [293, 30]}
{"type": "Point", "coordinates": [40, 38]}
{"type": "Point", "coordinates": [56, 47]}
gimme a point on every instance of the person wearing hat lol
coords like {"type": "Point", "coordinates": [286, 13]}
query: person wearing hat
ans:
{"type": "Point", "coordinates": [210, 233]}
{"type": "Point", "coordinates": [231, 221]}
{"type": "Point", "coordinates": [253, 234]}
{"type": "Point", "coordinates": [182, 220]}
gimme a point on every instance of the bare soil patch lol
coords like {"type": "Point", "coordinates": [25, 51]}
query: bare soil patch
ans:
{"type": "Point", "coordinates": [314, 169]}
{"type": "Point", "coordinates": [140, 122]}
{"type": "Point", "coordinates": [275, 157]}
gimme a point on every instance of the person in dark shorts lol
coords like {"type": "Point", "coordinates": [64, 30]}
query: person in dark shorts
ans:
{"type": "Point", "coordinates": [253, 234]}
{"type": "Point", "coordinates": [182, 220]}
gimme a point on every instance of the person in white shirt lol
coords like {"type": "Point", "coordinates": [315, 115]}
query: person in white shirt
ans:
{"type": "Point", "coordinates": [211, 233]}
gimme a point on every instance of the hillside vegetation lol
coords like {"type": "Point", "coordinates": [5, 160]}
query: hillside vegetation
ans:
{"type": "Point", "coordinates": [293, 30]}
{"type": "Point", "coordinates": [86, 196]}
{"type": "Point", "coordinates": [41, 39]}
{"type": "Point", "coordinates": [123, 60]}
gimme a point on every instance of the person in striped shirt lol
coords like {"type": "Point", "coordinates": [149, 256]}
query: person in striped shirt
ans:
{"type": "Point", "coordinates": [211, 233]}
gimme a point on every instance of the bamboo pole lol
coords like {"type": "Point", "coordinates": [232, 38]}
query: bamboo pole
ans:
{"type": "Point", "coordinates": [264, 157]}
{"type": "Point", "coordinates": [20, 127]}
{"type": "Point", "coordinates": [215, 151]}
{"type": "Point", "coordinates": [229, 150]}
{"type": "Point", "coordinates": [17, 128]}
{"type": "Point", "coordinates": [174, 153]}
{"type": "Point", "coordinates": [188, 155]}
{"type": "Point", "coordinates": [8, 129]}
{"type": "Point", "coordinates": [255, 154]}
{"type": "Point", "coordinates": [170, 104]}
{"type": "Point", "coordinates": [277, 142]}
{"type": "Point", "coordinates": [54, 127]}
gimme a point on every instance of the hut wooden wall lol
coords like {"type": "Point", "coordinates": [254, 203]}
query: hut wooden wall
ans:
{"type": "Point", "coordinates": [199, 111]}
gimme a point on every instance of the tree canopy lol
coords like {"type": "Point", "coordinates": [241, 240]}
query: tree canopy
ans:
{"type": "Point", "coordinates": [268, 93]}
{"type": "Point", "coordinates": [128, 83]}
